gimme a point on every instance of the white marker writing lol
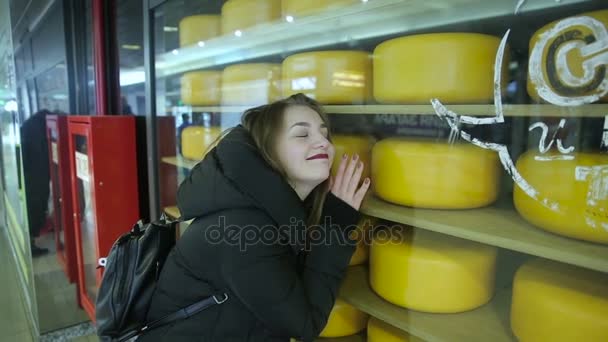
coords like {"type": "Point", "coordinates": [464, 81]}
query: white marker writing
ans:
{"type": "Point", "coordinates": [560, 85]}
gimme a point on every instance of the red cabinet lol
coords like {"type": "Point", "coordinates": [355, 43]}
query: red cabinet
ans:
{"type": "Point", "coordinates": [106, 191]}
{"type": "Point", "coordinates": [57, 135]}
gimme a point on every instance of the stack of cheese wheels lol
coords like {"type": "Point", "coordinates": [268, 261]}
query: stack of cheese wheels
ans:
{"type": "Point", "coordinates": [559, 72]}
{"type": "Point", "coordinates": [351, 145]}
{"type": "Point", "coordinates": [297, 8]}
{"type": "Point", "coordinates": [201, 88]}
{"type": "Point", "coordinates": [453, 67]}
{"type": "Point", "coordinates": [571, 193]}
{"type": "Point", "coordinates": [196, 28]}
{"type": "Point", "coordinates": [197, 139]}
{"type": "Point", "coordinates": [559, 303]}
{"type": "Point", "coordinates": [330, 77]}
{"type": "Point", "coordinates": [378, 331]}
{"type": "Point", "coordinates": [242, 14]}
{"type": "Point", "coordinates": [251, 84]}
{"type": "Point", "coordinates": [344, 320]}
{"type": "Point", "coordinates": [362, 235]}
{"type": "Point", "coordinates": [427, 174]}
{"type": "Point", "coordinates": [431, 272]}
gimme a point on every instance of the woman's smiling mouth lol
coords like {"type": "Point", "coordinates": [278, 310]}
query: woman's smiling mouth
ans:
{"type": "Point", "coordinates": [319, 156]}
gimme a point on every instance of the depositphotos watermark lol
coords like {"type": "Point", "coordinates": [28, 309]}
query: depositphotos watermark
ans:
{"type": "Point", "coordinates": [297, 233]}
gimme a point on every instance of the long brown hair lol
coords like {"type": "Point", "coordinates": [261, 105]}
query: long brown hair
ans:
{"type": "Point", "coordinates": [264, 122]}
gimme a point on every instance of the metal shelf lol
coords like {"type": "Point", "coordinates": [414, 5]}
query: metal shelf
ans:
{"type": "Point", "coordinates": [501, 227]}
{"type": "Point", "coordinates": [487, 323]}
{"type": "Point", "coordinates": [519, 110]}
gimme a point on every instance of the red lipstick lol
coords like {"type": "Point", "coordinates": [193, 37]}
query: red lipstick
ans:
{"type": "Point", "coordinates": [319, 156]}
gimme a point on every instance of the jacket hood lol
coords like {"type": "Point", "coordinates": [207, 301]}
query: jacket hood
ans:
{"type": "Point", "coordinates": [234, 175]}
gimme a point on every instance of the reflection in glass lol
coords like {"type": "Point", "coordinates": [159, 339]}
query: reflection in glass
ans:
{"type": "Point", "coordinates": [87, 222]}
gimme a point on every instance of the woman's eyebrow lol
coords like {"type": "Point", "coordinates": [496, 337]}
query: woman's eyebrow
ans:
{"type": "Point", "coordinates": [306, 124]}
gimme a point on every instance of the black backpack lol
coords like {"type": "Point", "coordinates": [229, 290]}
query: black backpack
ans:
{"type": "Point", "coordinates": [131, 272]}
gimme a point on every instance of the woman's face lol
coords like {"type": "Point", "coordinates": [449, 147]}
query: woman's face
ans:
{"type": "Point", "coordinates": [303, 149]}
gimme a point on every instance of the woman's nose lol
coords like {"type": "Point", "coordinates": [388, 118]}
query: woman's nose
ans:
{"type": "Point", "coordinates": [322, 142]}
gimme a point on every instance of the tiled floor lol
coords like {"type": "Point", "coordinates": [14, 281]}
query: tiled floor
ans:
{"type": "Point", "coordinates": [14, 326]}
{"type": "Point", "coordinates": [54, 310]}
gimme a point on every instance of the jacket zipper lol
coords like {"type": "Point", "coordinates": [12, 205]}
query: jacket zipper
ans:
{"type": "Point", "coordinates": [125, 267]}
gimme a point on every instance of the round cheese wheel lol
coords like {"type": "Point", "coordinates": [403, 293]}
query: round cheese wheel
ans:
{"type": "Point", "coordinates": [297, 8]}
{"type": "Point", "coordinates": [197, 139]}
{"type": "Point", "coordinates": [196, 28]}
{"type": "Point", "coordinates": [330, 77]}
{"type": "Point", "coordinates": [344, 320]}
{"type": "Point", "coordinates": [242, 14]}
{"type": "Point", "coordinates": [363, 232]}
{"type": "Point", "coordinates": [559, 71]}
{"type": "Point", "coordinates": [416, 69]}
{"type": "Point", "coordinates": [427, 174]}
{"type": "Point", "coordinates": [572, 197]}
{"type": "Point", "coordinates": [378, 331]}
{"type": "Point", "coordinates": [431, 272]}
{"type": "Point", "coordinates": [559, 303]}
{"type": "Point", "coordinates": [352, 144]}
{"type": "Point", "coordinates": [201, 88]}
{"type": "Point", "coordinates": [251, 84]}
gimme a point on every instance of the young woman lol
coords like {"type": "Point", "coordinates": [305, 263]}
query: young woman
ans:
{"type": "Point", "coordinates": [258, 198]}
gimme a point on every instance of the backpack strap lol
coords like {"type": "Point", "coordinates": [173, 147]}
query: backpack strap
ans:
{"type": "Point", "coordinates": [178, 315]}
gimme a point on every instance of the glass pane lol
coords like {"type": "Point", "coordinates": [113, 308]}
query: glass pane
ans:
{"type": "Point", "coordinates": [56, 194]}
{"type": "Point", "coordinates": [90, 77]}
{"type": "Point", "coordinates": [482, 125]}
{"type": "Point", "coordinates": [87, 220]}
{"type": "Point", "coordinates": [131, 56]}
{"type": "Point", "coordinates": [52, 89]}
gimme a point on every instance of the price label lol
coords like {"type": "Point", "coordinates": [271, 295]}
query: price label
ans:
{"type": "Point", "coordinates": [54, 153]}
{"type": "Point", "coordinates": [82, 166]}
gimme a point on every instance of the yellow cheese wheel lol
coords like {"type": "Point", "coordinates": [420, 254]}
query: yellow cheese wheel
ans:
{"type": "Point", "coordinates": [344, 320]}
{"type": "Point", "coordinates": [416, 69]}
{"type": "Point", "coordinates": [330, 77]}
{"type": "Point", "coordinates": [251, 84]}
{"type": "Point", "coordinates": [242, 14]}
{"type": "Point", "coordinates": [352, 144]}
{"type": "Point", "coordinates": [363, 238]}
{"type": "Point", "coordinates": [201, 88]}
{"type": "Point", "coordinates": [196, 28]}
{"type": "Point", "coordinates": [428, 174]}
{"type": "Point", "coordinates": [575, 192]}
{"type": "Point", "coordinates": [431, 272]}
{"type": "Point", "coordinates": [559, 303]}
{"type": "Point", "coordinates": [378, 331]}
{"type": "Point", "coordinates": [557, 64]}
{"type": "Point", "coordinates": [297, 8]}
{"type": "Point", "coordinates": [196, 140]}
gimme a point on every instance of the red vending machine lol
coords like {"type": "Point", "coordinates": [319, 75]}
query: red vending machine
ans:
{"type": "Point", "coordinates": [108, 191]}
{"type": "Point", "coordinates": [57, 135]}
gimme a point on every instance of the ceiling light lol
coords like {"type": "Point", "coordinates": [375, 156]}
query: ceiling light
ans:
{"type": "Point", "coordinates": [175, 52]}
{"type": "Point", "coordinates": [238, 33]}
{"type": "Point", "coordinates": [201, 43]}
{"type": "Point", "coordinates": [170, 29]}
{"type": "Point", "coordinates": [289, 19]}
{"type": "Point", "coordinates": [131, 47]}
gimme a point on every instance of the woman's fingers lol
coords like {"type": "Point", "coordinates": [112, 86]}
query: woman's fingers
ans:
{"type": "Point", "coordinates": [354, 181]}
{"type": "Point", "coordinates": [348, 174]}
{"type": "Point", "coordinates": [346, 183]}
{"type": "Point", "coordinates": [340, 173]}
{"type": "Point", "coordinates": [360, 194]}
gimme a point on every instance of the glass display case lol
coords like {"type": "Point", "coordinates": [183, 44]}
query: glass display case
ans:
{"type": "Point", "coordinates": [483, 126]}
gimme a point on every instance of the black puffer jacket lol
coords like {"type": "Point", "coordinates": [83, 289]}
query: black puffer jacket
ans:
{"type": "Point", "coordinates": [277, 288]}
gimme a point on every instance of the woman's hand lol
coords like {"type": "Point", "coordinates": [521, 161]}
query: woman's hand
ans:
{"type": "Point", "coordinates": [345, 185]}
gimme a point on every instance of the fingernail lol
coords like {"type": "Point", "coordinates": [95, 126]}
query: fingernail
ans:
{"type": "Point", "coordinates": [366, 180]}
{"type": "Point", "coordinates": [360, 164]}
{"type": "Point", "coordinates": [355, 157]}
{"type": "Point", "coordinates": [344, 156]}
